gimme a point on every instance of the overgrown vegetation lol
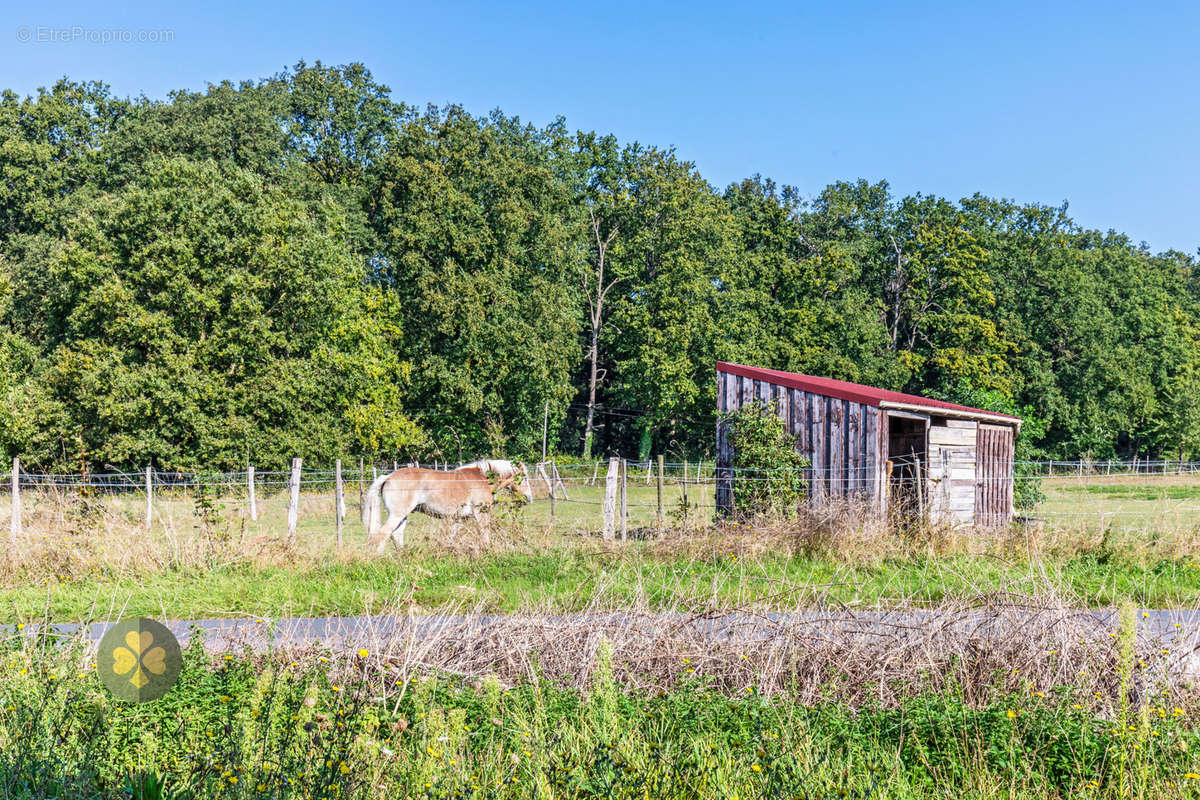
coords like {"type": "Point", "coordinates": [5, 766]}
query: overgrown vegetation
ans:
{"type": "Point", "coordinates": [770, 478]}
{"type": "Point", "coordinates": [305, 266]}
{"type": "Point", "coordinates": [376, 723]}
{"type": "Point", "coordinates": [204, 559]}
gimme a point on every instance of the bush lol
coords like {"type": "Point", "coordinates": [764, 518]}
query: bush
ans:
{"type": "Point", "coordinates": [768, 472]}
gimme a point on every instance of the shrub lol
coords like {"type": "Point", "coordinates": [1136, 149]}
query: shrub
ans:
{"type": "Point", "coordinates": [768, 472]}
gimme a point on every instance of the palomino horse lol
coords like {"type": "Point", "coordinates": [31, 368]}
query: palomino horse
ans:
{"type": "Point", "coordinates": [466, 492]}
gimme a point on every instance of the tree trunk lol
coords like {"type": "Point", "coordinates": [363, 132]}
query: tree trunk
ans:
{"type": "Point", "coordinates": [591, 404]}
{"type": "Point", "coordinates": [596, 311]}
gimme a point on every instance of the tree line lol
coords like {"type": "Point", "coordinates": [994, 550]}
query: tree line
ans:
{"type": "Point", "coordinates": [304, 265]}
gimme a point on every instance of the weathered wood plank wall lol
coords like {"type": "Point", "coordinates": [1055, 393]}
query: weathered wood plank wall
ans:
{"type": "Point", "coordinates": [726, 401]}
{"type": "Point", "coordinates": [952, 470]}
{"type": "Point", "coordinates": [994, 476]}
{"type": "Point", "coordinates": [841, 439]}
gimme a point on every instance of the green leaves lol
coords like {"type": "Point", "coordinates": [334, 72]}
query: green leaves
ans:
{"type": "Point", "coordinates": [768, 477]}
{"type": "Point", "coordinates": [474, 250]}
{"type": "Point", "coordinates": [304, 266]}
{"type": "Point", "coordinates": [198, 317]}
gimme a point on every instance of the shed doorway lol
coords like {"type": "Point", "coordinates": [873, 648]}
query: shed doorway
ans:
{"type": "Point", "coordinates": [908, 452]}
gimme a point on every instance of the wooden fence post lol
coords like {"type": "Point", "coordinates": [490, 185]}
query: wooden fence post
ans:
{"type": "Point", "coordinates": [149, 496]}
{"type": "Point", "coordinates": [339, 504]}
{"type": "Point", "coordinates": [551, 506]}
{"type": "Point", "coordinates": [253, 497]}
{"type": "Point", "coordinates": [624, 503]}
{"type": "Point", "coordinates": [558, 481]}
{"type": "Point", "coordinates": [293, 499]}
{"type": "Point", "coordinates": [887, 484]}
{"type": "Point", "coordinates": [610, 499]}
{"type": "Point", "coordinates": [15, 526]}
{"type": "Point", "coordinates": [684, 485]}
{"type": "Point", "coordinates": [660, 490]}
{"type": "Point", "coordinates": [595, 473]}
{"type": "Point", "coordinates": [920, 489]}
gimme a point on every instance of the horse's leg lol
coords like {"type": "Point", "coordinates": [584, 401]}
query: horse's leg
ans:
{"type": "Point", "coordinates": [397, 535]}
{"type": "Point", "coordinates": [379, 537]}
{"type": "Point", "coordinates": [388, 529]}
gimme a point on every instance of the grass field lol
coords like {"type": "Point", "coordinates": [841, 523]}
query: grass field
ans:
{"type": "Point", "coordinates": [1094, 542]}
{"type": "Point", "coordinates": [1046, 703]}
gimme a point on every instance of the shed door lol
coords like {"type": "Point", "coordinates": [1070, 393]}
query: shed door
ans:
{"type": "Point", "coordinates": [994, 476]}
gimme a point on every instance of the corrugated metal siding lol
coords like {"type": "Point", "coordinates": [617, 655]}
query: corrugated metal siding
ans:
{"type": "Point", "coordinates": [994, 476]}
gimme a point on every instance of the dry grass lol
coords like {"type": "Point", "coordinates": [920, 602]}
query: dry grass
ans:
{"type": "Point", "coordinates": [982, 649]}
{"type": "Point", "coordinates": [67, 536]}
{"type": "Point", "coordinates": [1024, 643]}
{"type": "Point", "coordinates": [844, 536]}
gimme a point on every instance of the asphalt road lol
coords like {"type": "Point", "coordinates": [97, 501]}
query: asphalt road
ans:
{"type": "Point", "coordinates": [261, 635]}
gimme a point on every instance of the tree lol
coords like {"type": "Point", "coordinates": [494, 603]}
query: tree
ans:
{"type": "Point", "coordinates": [795, 299]}
{"type": "Point", "coordinates": [50, 147]}
{"type": "Point", "coordinates": [301, 264]}
{"type": "Point", "coordinates": [195, 318]}
{"type": "Point", "coordinates": [665, 323]}
{"type": "Point", "coordinates": [474, 248]}
{"type": "Point", "coordinates": [605, 189]}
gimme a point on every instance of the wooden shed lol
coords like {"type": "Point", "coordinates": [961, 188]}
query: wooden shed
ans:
{"type": "Point", "coordinates": [953, 462]}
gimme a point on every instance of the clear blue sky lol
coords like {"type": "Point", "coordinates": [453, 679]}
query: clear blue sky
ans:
{"type": "Point", "coordinates": [1096, 104]}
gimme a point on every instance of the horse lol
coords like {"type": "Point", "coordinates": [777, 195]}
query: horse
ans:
{"type": "Point", "coordinates": [500, 466]}
{"type": "Point", "coordinates": [466, 492]}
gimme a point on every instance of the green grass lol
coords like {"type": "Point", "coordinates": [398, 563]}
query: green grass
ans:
{"type": "Point", "coordinates": [569, 579]}
{"type": "Point", "coordinates": [284, 728]}
{"type": "Point", "coordinates": [1134, 492]}
{"type": "Point", "coordinates": [82, 572]}
{"type": "Point", "coordinates": [1143, 502]}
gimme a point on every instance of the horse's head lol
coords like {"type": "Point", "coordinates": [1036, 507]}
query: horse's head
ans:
{"type": "Point", "coordinates": [515, 479]}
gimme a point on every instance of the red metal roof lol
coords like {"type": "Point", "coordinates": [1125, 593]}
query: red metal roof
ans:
{"type": "Point", "coordinates": [845, 390]}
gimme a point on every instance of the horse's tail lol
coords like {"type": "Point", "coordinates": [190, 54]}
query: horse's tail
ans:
{"type": "Point", "coordinates": [370, 509]}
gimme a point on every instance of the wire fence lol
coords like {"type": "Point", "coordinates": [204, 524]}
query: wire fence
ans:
{"type": "Point", "coordinates": [1103, 490]}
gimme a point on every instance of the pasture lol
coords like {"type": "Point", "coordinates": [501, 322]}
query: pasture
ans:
{"type": "Point", "coordinates": [1049, 702]}
{"type": "Point", "coordinates": [1096, 541]}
